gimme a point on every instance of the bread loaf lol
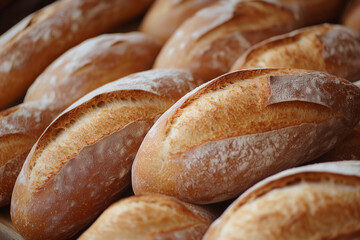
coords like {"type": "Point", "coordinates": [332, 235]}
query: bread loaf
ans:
{"type": "Point", "coordinates": [82, 162]}
{"type": "Point", "coordinates": [239, 128]}
{"type": "Point", "coordinates": [20, 127]}
{"type": "Point", "coordinates": [328, 48]}
{"type": "Point", "coordinates": [209, 42]}
{"type": "Point", "coordinates": [320, 201]}
{"type": "Point", "coordinates": [150, 217]}
{"type": "Point", "coordinates": [165, 16]}
{"type": "Point", "coordinates": [351, 16]}
{"type": "Point", "coordinates": [30, 46]}
{"type": "Point", "coordinates": [83, 68]}
{"type": "Point", "coordinates": [349, 149]}
{"type": "Point", "coordinates": [92, 64]}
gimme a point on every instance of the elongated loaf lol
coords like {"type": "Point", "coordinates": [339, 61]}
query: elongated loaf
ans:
{"type": "Point", "coordinates": [351, 16]}
{"type": "Point", "coordinates": [20, 127]}
{"type": "Point", "coordinates": [165, 16]}
{"type": "Point", "coordinates": [329, 48]}
{"type": "Point", "coordinates": [349, 149]}
{"type": "Point", "coordinates": [210, 42]}
{"type": "Point", "coordinates": [320, 201]}
{"type": "Point", "coordinates": [242, 127]}
{"type": "Point", "coordinates": [92, 64]}
{"type": "Point", "coordinates": [77, 72]}
{"type": "Point", "coordinates": [150, 217]}
{"type": "Point", "coordinates": [82, 162]}
{"type": "Point", "coordinates": [30, 46]}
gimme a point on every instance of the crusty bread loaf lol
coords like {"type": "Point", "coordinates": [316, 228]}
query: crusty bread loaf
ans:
{"type": "Point", "coordinates": [320, 201]}
{"type": "Point", "coordinates": [242, 127]}
{"type": "Point", "coordinates": [30, 46]}
{"type": "Point", "coordinates": [77, 72]}
{"type": "Point", "coordinates": [165, 16]}
{"type": "Point", "coordinates": [20, 127]}
{"type": "Point", "coordinates": [82, 162]}
{"type": "Point", "coordinates": [150, 217]}
{"type": "Point", "coordinates": [329, 48]}
{"type": "Point", "coordinates": [351, 16]}
{"type": "Point", "coordinates": [209, 42]}
{"type": "Point", "coordinates": [349, 149]}
{"type": "Point", "coordinates": [92, 64]}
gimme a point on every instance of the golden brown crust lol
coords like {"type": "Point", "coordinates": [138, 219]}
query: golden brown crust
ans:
{"type": "Point", "coordinates": [34, 43]}
{"type": "Point", "coordinates": [330, 48]}
{"type": "Point", "coordinates": [241, 127]}
{"type": "Point", "coordinates": [83, 159]}
{"type": "Point", "coordinates": [92, 64]}
{"type": "Point", "coordinates": [150, 217]}
{"type": "Point", "coordinates": [165, 16]}
{"type": "Point", "coordinates": [209, 42]}
{"type": "Point", "coordinates": [20, 127]}
{"type": "Point", "coordinates": [317, 201]}
{"type": "Point", "coordinates": [351, 16]}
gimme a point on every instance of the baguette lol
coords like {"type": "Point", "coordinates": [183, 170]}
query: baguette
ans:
{"type": "Point", "coordinates": [30, 46]}
{"type": "Point", "coordinates": [320, 201]}
{"type": "Point", "coordinates": [82, 162]}
{"type": "Point", "coordinates": [20, 127]}
{"type": "Point", "coordinates": [209, 42]}
{"type": "Point", "coordinates": [328, 48]}
{"type": "Point", "coordinates": [77, 72]}
{"type": "Point", "coordinates": [164, 16]}
{"type": "Point", "coordinates": [92, 64]}
{"type": "Point", "coordinates": [240, 128]}
{"type": "Point", "coordinates": [150, 217]}
{"type": "Point", "coordinates": [351, 16]}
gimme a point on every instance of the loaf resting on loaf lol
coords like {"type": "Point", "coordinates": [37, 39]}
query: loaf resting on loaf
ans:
{"type": "Point", "coordinates": [31, 45]}
{"type": "Point", "coordinates": [150, 217]}
{"type": "Point", "coordinates": [226, 135]}
{"type": "Point", "coordinates": [82, 162]}
{"type": "Point", "coordinates": [83, 68]}
{"type": "Point", "coordinates": [329, 48]}
{"type": "Point", "coordinates": [209, 42]}
{"type": "Point", "coordinates": [320, 201]}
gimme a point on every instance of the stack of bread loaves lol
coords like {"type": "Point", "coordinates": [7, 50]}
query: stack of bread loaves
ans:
{"type": "Point", "coordinates": [210, 101]}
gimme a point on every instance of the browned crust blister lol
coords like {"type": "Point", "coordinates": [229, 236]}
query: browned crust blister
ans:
{"type": "Point", "coordinates": [83, 159]}
{"type": "Point", "coordinates": [327, 205]}
{"type": "Point", "coordinates": [151, 217]}
{"type": "Point", "coordinates": [329, 48]}
{"type": "Point", "coordinates": [34, 43]}
{"type": "Point", "coordinates": [203, 152]}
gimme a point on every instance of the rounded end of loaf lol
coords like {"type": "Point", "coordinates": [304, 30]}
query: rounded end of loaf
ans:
{"type": "Point", "coordinates": [202, 152]}
{"type": "Point", "coordinates": [319, 200]}
{"type": "Point", "coordinates": [150, 217]}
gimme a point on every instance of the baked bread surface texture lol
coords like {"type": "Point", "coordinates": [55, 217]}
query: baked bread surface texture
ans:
{"type": "Point", "coordinates": [82, 162]}
{"type": "Point", "coordinates": [150, 217]}
{"type": "Point", "coordinates": [31, 45]}
{"type": "Point", "coordinates": [319, 201]}
{"type": "Point", "coordinates": [165, 16]}
{"type": "Point", "coordinates": [226, 135]}
{"type": "Point", "coordinates": [209, 42]}
{"type": "Point", "coordinates": [329, 48]}
{"type": "Point", "coordinates": [92, 64]}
